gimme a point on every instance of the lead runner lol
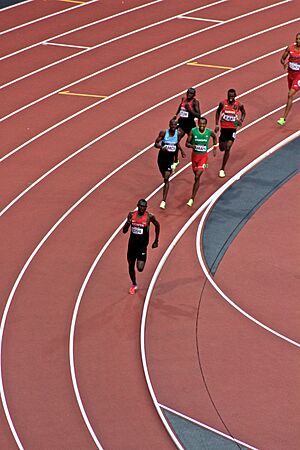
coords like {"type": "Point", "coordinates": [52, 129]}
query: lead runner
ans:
{"type": "Point", "coordinates": [292, 52]}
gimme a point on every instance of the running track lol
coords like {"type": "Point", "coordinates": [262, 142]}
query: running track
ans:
{"type": "Point", "coordinates": [67, 320]}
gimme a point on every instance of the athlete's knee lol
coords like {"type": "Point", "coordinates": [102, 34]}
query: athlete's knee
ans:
{"type": "Point", "coordinates": [291, 94]}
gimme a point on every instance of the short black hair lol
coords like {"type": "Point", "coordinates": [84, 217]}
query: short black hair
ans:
{"type": "Point", "coordinates": [142, 202]}
{"type": "Point", "coordinates": [193, 90]}
{"type": "Point", "coordinates": [232, 90]}
{"type": "Point", "coordinates": [203, 118]}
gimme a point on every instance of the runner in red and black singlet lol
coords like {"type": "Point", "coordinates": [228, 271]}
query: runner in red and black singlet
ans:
{"type": "Point", "coordinates": [168, 143]}
{"type": "Point", "coordinates": [139, 222]}
{"type": "Point", "coordinates": [188, 110]}
{"type": "Point", "coordinates": [231, 114]}
{"type": "Point", "coordinates": [291, 61]}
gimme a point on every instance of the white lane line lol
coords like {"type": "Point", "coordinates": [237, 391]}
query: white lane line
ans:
{"type": "Point", "coordinates": [199, 18]}
{"type": "Point", "coordinates": [207, 427]}
{"type": "Point", "coordinates": [14, 6]}
{"type": "Point", "coordinates": [45, 17]}
{"type": "Point", "coordinates": [201, 225]}
{"type": "Point", "coordinates": [80, 28]}
{"type": "Point", "coordinates": [122, 36]}
{"type": "Point", "coordinates": [41, 178]}
{"type": "Point", "coordinates": [152, 285]}
{"type": "Point", "coordinates": [64, 45]}
{"type": "Point", "coordinates": [23, 270]}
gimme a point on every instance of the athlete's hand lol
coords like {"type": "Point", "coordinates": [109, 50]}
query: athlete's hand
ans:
{"type": "Point", "coordinates": [216, 128]}
{"type": "Point", "coordinates": [239, 123]}
{"type": "Point", "coordinates": [155, 244]}
{"type": "Point", "coordinates": [183, 154]}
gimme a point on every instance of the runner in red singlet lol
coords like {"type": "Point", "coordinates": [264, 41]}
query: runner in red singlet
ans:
{"type": "Point", "coordinates": [291, 61]}
{"type": "Point", "coordinates": [187, 111]}
{"type": "Point", "coordinates": [139, 221]}
{"type": "Point", "coordinates": [231, 114]}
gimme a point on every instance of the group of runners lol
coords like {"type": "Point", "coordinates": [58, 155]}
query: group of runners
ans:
{"type": "Point", "coordinates": [188, 122]}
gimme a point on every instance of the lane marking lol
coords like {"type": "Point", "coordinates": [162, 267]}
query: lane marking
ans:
{"type": "Point", "coordinates": [42, 18]}
{"type": "Point", "coordinates": [198, 18]}
{"type": "Point", "coordinates": [73, 1]}
{"type": "Point", "coordinates": [65, 45]}
{"type": "Point", "coordinates": [207, 427]}
{"type": "Point", "coordinates": [82, 95]}
{"type": "Point", "coordinates": [105, 43]}
{"type": "Point", "coordinates": [104, 19]}
{"type": "Point", "coordinates": [194, 63]}
{"type": "Point", "coordinates": [201, 224]}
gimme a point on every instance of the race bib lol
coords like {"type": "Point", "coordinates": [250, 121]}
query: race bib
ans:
{"type": "Point", "coordinates": [137, 230]}
{"type": "Point", "coordinates": [183, 113]}
{"type": "Point", "coordinates": [294, 66]}
{"type": "Point", "coordinates": [200, 148]}
{"type": "Point", "coordinates": [170, 147]}
{"type": "Point", "coordinates": [229, 118]}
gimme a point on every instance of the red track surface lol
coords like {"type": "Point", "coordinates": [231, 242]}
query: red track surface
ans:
{"type": "Point", "coordinates": [35, 363]}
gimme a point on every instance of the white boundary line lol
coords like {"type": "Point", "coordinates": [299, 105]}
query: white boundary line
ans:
{"type": "Point", "coordinates": [46, 17]}
{"type": "Point", "coordinates": [116, 38]}
{"type": "Point", "coordinates": [79, 28]}
{"type": "Point", "coordinates": [38, 180]}
{"type": "Point", "coordinates": [21, 274]}
{"type": "Point", "coordinates": [64, 45]}
{"type": "Point", "coordinates": [155, 277]}
{"type": "Point", "coordinates": [13, 6]}
{"type": "Point", "coordinates": [207, 427]}
{"type": "Point", "coordinates": [200, 19]}
{"type": "Point", "coordinates": [201, 224]}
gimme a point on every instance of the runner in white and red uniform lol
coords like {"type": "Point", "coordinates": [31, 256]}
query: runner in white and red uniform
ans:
{"type": "Point", "coordinates": [139, 221]}
{"type": "Point", "coordinates": [291, 61]}
{"type": "Point", "coordinates": [231, 114]}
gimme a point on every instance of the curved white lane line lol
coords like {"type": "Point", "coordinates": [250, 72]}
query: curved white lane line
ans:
{"type": "Point", "coordinates": [109, 41]}
{"type": "Point", "coordinates": [41, 178]}
{"type": "Point", "coordinates": [201, 224]}
{"type": "Point", "coordinates": [155, 277]}
{"type": "Point", "coordinates": [46, 17]}
{"type": "Point", "coordinates": [83, 288]}
{"type": "Point", "coordinates": [79, 28]}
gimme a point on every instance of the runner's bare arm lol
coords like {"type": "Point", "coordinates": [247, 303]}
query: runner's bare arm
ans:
{"type": "Point", "coordinates": [215, 141]}
{"type": "Point", "coordinates": [159, 139]}
{"type": "Point", "coordinates": [285, 54]}
{"type": "Point", "coordinates": [127, 224]}
{"type": "Point", "coordinates": [157, 230]}
{"type": "Point", "coordinates": [189, 140]}
{"type": "Point", "coordinates": [218, 112]}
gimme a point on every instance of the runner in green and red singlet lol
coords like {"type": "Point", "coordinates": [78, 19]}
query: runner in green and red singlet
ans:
{"type": "Point", "coordinates": [198, 140]}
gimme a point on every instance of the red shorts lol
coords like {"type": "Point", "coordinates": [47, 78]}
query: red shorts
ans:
{"type": "Point", "coordinates": [198, 160]}
{"type": "Point", "coordinates": [294, 81]}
